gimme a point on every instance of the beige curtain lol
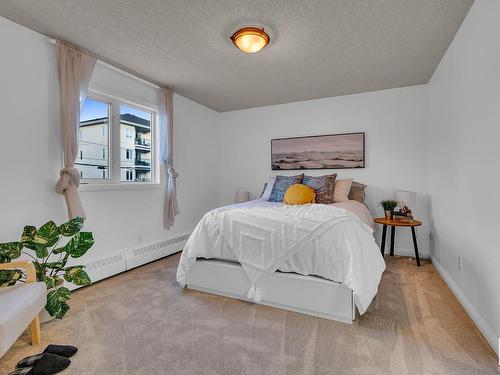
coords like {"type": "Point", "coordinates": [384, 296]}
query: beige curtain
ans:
{"type": "Point", "coordinates": [166, 155]}
{"type": "Point", "coordinates": [75, 70]}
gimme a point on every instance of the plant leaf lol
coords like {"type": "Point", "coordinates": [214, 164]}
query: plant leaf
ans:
{"type": "Point", "coordinates": [64, 293]}
{"type": "Point", "coordinates": [64, 309]}
{"type": "Point", "coordinates": [41, 251]}
{"type": "Point", "coordinates": [10, 277]}
{"type": "Point", "coordinates": [58, 250]}
{"type": "Point", "coordinates": [53, 305]}
{"type": "Point", "coordinates": [49, 281]}
{"type": "Point", "coordinates": [28, 240]}
{"type": "Point", "coordinates": [72, 227]}
{"type": "Point", "coordinates": [55, 265]}
{"type": "Point", "coordinates": [28, 237]}
{"type": "Point", "coordinates": [47, 235]}
{"type": "Point", "coordinates": [40, 271]}
{"type": "Point", "coordinates": [56, 302]}
{"type": "Point", "coordinates": [79, 244]}
{"type": "Point", "coordinates": [77, 275]}
{"type": "Point", "coordinates": [9, 251]}
{"type": "Point", "coordinates": [52, 281]}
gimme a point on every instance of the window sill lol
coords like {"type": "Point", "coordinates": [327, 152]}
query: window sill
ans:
{"type": "Point", "coordinates": [124, 186]}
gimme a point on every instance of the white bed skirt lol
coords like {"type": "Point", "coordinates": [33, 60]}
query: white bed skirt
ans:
{"type": "Point", "coordinates": [304, 294]}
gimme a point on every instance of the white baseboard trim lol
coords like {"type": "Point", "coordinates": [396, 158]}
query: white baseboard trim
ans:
{"type": "Point", "coordinates": [114, 263]}
{"type": "Point", "coordinates": [103, 267]}
{"type": "Point", "coordinates": [478, 320]}
{"type": "Point", "coordinates": [143, 254]}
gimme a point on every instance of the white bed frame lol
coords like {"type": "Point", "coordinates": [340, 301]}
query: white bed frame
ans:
{"type": "Point", "coordinates": [304, 294]}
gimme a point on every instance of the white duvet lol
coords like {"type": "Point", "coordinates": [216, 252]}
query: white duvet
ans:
{"type": "Point", "coordinates": [323, 240]}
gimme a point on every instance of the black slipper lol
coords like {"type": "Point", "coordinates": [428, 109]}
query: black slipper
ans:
{"type": "Point", "coordinates": [62, 350]}
{"type": "Point", "coordinates": [47, 364]}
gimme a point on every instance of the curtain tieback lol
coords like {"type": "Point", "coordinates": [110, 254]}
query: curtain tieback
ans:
{"type": "Point", "coordinates": [172, 173]}
{"type": "Point", "coordinates": [68, 177]}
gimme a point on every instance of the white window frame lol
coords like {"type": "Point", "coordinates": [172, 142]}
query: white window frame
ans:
{"type": "Point", "coordinates": [114, 167]}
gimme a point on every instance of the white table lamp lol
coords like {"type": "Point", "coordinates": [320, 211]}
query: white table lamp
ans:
{"type": "Point", "coordinates": [407, 198]}
{"type": "Point", "coordinates": [242, 196]}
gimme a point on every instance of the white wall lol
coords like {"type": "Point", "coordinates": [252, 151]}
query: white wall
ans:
{"type": "Point", "coordinates": [464, 135]}
{"type": "Point", "coordinates": [439, 139]}
{"type": "Point", "coordinates": [396, 146]}
{"type": "Point", "coordinates": [31, 156]}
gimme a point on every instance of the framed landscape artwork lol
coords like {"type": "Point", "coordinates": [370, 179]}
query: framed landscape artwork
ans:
{"type": "Point", "coordinates": [336, 151]}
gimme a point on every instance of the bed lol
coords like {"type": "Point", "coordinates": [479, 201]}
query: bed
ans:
{"type": "Point", "coordinates": [316, 259]}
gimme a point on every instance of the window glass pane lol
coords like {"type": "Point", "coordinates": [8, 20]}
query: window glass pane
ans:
{"type": "Point", "coordinates": [93, 149]}
{"type": "Point", "coordinates": [135, 144]}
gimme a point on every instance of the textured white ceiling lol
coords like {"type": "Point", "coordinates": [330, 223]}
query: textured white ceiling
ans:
{"type": "Point", "coordinates": [318, 48]}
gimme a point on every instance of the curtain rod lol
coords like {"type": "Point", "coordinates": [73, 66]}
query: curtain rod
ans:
{"type": "Point", "coordinates": [112, 65]}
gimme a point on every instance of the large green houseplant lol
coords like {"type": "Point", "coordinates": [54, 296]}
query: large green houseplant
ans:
{"type": "Point", "coordinates": [50, 259]}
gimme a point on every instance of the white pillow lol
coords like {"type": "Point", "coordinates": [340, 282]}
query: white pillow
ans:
{"type": "Point", "coordinates": [269, 187]}
{"type": "Point", "coordinates": [341, 190]}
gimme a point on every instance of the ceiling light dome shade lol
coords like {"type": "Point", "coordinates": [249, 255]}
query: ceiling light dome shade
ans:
{"type": "Point", "coordinates": [250, 39]}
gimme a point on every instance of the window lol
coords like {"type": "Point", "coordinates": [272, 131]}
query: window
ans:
{"type": "Point", "coordinates": [116, 142]}
{"type": "Point", "coordinates": [129, 175]}
{"type": "Point", "coordinates": [94, 117]}
{"type": "Point", "coordinates": [136, 126]}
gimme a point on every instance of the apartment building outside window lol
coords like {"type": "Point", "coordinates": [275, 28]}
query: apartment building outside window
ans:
{"type": "Point", "coordinates": [116, 142]}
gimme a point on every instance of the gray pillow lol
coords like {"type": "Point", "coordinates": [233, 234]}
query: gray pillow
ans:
{"type": "Point", "coordinates": [281, 185]}
{"type": "Point", "coordinates": [357, 192]}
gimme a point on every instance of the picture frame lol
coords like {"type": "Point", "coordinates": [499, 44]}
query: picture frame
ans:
{"type": "Point", "coordinates": [330, 151]}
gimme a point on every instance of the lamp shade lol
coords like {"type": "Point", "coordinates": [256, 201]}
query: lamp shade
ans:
{"type": "Point", "coordinates": [408, 198]}
{"type": "Point", "coordinates": [242, 196]}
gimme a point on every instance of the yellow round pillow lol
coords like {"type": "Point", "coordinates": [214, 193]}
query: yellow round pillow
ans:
{"type": "Point", "coordinates": [299, 194]}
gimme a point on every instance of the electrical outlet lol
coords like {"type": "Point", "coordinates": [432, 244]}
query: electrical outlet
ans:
{"type": "Point", "coordinates": [139, 239]}
{"type": "Point", "coordinates": [460, 263]}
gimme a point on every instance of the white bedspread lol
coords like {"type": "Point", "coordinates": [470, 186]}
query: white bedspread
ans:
{"type": "Point", "coordinates": [321, 240]}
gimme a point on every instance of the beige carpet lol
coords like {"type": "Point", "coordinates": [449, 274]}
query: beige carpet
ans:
{"type": "Point", "coordinates": [141, 322]}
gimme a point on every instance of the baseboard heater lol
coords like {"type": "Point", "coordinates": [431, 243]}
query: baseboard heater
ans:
{"type": "Point", "coordinates": [115, 263]}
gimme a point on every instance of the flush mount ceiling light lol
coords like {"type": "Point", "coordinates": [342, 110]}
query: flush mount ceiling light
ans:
{"type": "Point", "coordinates": [250, 39]}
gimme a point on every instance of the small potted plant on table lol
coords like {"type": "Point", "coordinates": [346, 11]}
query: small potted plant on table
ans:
{"type": "Point", "coordinates": [50, 260]}
{"type": "Point", "coordinates": [389, 205]}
